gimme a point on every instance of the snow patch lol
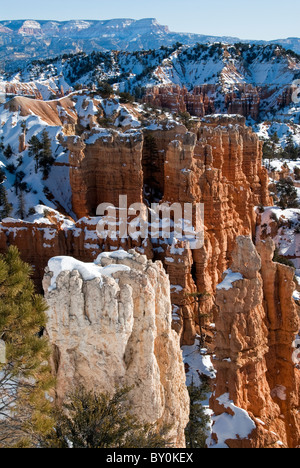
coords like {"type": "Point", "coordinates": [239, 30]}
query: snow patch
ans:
{"type": "Point", "coordinates": [228, 427]}
{"type": "Point", "coordinates": [88, 271]}
{"type": "Point", "coordinates": [229, 279]}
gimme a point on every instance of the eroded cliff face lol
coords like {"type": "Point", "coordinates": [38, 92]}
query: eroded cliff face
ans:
{"type": "Point", "coordinates": [257, 323]}
{"type": "Point", "coordinates": [217, 164]}
{"type": "Point", "coordinates": [116, 330]}
{"type": "Point", "coordinates": [104, 169]}
{"type": "Point", "coordinates": [283, 325]}
{"type": "Point", "coordinates": [198, 103]}
{"type": "Point", "coordinates": [245, 100]}
{"type": "Point", "coordinates": [221, 168]}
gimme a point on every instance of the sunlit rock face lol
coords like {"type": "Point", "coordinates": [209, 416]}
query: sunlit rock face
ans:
{"type": "Point", "coordinates": [256, 327]}
{"type": "Point", "coordinates": [110, 325]}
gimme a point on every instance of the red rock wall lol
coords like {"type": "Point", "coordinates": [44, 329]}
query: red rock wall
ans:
{"type": "Point", "coordinates": [256, 324]}
{"type": "Point", "coordinates": [102, 171]}
{"type": "Point", "coordinates": [177, 99]}
{"type": "Point", "coordinates": [218, 165]}
{"type": "Point", "coordinates": [245, 100]}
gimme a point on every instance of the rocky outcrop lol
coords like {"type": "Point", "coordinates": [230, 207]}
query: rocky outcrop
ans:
{"type": "Point", "coordinates": [241, 99]}
{"type": "Point", "coordinates": [30, 28]}
{"type": "Point", "coordinates": [256, 325]}
{"type": "Point", "coordinates": [101, 169]}
{"type": "Point", "coordinates": [283, 326]}
{"type": "Point", "coordinates": [282, 227]}
{"type": "Point", "coordinates": [116, 330]}
{"type": "Point", "coordinates": [198, 103]}
{"type": "Point", "coordinates": [221, 168]}
{"type": "Point", "coordinates": [244, 100]}
{"type": "Point", "coordinates": [286, 97]}
{"type": "Point", "coordinates": [54, 113]}
{"type": "Point", "coordinates": [38, 242]}
{"type": "Point", "coordinates": [218, 164]}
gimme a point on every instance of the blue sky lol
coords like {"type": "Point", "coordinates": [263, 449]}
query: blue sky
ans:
{"type": "Point", "coordinates": [247, 19]}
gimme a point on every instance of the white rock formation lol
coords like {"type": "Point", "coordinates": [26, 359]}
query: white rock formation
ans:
{"type": "Point", "coordinates": [115, 329]}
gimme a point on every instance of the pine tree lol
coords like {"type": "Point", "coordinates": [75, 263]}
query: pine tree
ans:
{"type": "Point", "coordinates": [21, 205]}
{"type": "Point", "coordinates": [18, 181]}
{"type": "Point", "coordinates": [269, 151]}
{"type": "Point", "coordinates": [287, 196]}
{"type": "Point", "coordinates": [46, 157]}
{"type": "Point", "coordinates": [24, 375]}
{"type": "Point", "coordinates": [186, 119]}
{"type": "Point", "coordinates": [290, 151]}
{"type": "Point", "coordinates": [275, 138]}
{"type": "Point", "coordinates": [8, 152]}
{"type": "Point", "coordinates": [91, 420]}
{"type": "Point", "coordinates": [34, 148]}
{"type": "Point", "coordinates": [105, 89]}
{"type": "Point", "coordinates": [196, 430]}
{"type": "Point", "coordinates": [281, 259]}
{"type": "Point", "coordinates": [126, 98]}
{"type": "Point", "coordinates": [5, 206]}
{"type": "Point", "coordinates": [41, 151]}
{"type": "Point", "coordinates": [2, 176]}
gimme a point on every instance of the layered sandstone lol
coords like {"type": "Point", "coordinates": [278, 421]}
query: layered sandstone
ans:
{"type": "Point", "coordinates": [257, 322]}
{"type": "Point", "coordinates": [221, 168]}
{"type": "Point", "coordinates": [38, 242]}
{"type": "Point", "coordinates": [244, 100]}
{"type": "Point", "coordinates": [54, 113]}
{"type": "Point", "coordinates": [283, 325]}
{"type": "Point", "coordinates": [218, 164]}
{"type": "Point", "coordinates": [198, 103]}
{"type": "Point", "coordinates": [102, 168]}
{"type": "Point", "coordinates": [116, 330]}
{"type": "Point", "coordinates": [33, 91]}
{"type": "Point", "coordinates": [286, 97]}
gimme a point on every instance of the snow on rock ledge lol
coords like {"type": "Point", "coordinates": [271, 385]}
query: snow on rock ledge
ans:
{"type": "Point", "coordinates": [229, 279]}
{"type": "Point", "coordinates": [237, 425]}
{"type": "Point", "coordinates": [109, 330]}
{"type": "Point", "coordinates": [88, 271]}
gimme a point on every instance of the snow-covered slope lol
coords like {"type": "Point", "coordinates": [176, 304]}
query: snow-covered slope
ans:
{"type": "Point", "coordinates": [30, 38]}
{"type": "Point", "coordinates": [22, 118]}
{"type": "Point", "coordinates": [231, 75]}
{"type": "Point", "coordinates": [244, 72]}
{"type": "Point", "coordinates": [186, 66]}
{"type": "Point", "coordinates": [36, 189]}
